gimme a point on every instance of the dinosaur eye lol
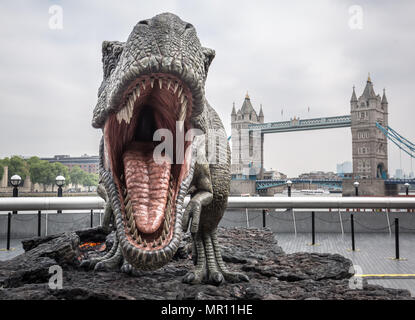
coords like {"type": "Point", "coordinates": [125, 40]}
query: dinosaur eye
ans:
{"type": "Point", "coordinates": [144, 22]}
{"type": "Point", "coordinates": [188, 26]}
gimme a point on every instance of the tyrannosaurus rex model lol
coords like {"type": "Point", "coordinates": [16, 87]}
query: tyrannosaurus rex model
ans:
{"type": "Point", "coordinates": [153, 82]}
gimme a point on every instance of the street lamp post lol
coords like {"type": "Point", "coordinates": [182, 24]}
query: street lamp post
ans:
{"type": "Point", "coordinates": [356, 188]}
{"type": "Point", "coordinates": [289, 184]}
{"type": "Point", "coordinates": [15, 182]}
{"type": "Point", "coordinates": [407, 188]}
{"type": "Point", "coordinates": [60, 181]}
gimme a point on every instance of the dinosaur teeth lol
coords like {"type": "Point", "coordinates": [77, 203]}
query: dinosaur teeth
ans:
{"type": "Point", "coordinates": [128, 206]}
{"type": "Point", "coordinates": [183, 110]}
{"type": "Point", "coordinates": [176, 86]}
{"type": "Point", "coordinates": [144, 84]}
{"type": "Point", "coordinates": [152, 82]}
{"type": "Point", "coordinates": [160, 83]}
{"type": "Point", "coordinates": [168, 84]}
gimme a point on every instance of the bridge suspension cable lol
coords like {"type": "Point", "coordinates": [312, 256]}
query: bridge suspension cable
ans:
{"type": "Point", "coordinates": [401, 142]}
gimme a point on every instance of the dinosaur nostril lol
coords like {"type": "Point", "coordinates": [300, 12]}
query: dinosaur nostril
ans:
{"type": "Point", "coordinates": [188, 26]}
{"type": "Point", "coordinates": [143, 22]}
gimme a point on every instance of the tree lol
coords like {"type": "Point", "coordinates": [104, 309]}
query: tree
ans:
{"type": "Point", "coordinates": [77, 175]}
{"type": "Point", "coordinates": [1, 170]}
{"type": "Point", "coordinates": [17, 165]}
{"type": "Point", "coordinates": [90, 180]}
{"type": "Point", "coordinates": [58, 169]}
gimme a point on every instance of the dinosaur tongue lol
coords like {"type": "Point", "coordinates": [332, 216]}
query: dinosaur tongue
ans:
{"type": "Point", "coordinates": [147, 185]}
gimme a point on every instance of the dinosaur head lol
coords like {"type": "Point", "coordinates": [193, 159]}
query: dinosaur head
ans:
{"type": "Point", "coordinates": [155, 80]}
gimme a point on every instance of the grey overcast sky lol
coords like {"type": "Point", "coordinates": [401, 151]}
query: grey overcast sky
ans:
{"type": "Point", "coordinates": [288, 55]}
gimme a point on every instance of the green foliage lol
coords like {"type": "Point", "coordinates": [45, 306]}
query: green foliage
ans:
{"type": "Point", "coordinates": [1, 170]}
{"type": "Point", "coordinates": [45, 173]}
{"type": "Point", "coordinates": [77, 175]}
{"type": "Point", "coordinates": [59, 169]}
{"type": "Point", "coordinates": [17, 165]}
{"type": "Point", "coordinates": [90, 180]}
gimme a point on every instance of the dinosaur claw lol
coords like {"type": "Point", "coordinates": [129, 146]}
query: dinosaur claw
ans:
{"type": "Point", "coordinates": [216, 278]}
{"type": "Point", "coordinates": [235, 277]}
{"type": "Point", "coordinates": [127, 268]}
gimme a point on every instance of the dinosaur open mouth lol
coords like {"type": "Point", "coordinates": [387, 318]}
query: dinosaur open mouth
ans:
{"type": "Point", "coordinates": [148, 177]}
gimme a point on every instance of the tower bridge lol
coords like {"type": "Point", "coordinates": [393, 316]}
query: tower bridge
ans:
{"type": "Point", "coordinates": [368, 113]}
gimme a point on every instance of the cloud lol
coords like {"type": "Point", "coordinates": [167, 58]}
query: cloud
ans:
{"type": "Point", "coordinates": [288, 55]}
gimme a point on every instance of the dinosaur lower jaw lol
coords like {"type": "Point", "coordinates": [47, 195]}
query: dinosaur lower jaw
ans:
{"type": "Point", "coordinates": [151, 185]}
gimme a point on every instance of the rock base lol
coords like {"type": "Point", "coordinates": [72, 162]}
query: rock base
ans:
{"type": "Point", "coordinates": [273, 274]}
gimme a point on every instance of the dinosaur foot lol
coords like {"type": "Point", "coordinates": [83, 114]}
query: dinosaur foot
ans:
{"type": "Point", "coordinates": [235, 277]}
{"type": "Point", "coordinates": [210, 267]}
{"type": "Point", "coordinates": [194, 277]}
{"type": "Point", "coordinates": [110, 262]}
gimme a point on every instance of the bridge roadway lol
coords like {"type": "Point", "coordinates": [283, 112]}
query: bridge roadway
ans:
{"type": "Point", "coordinates": [265, 184]}
{"type": "Point", "coordinates": [331, 183]}
{"type": "Point", "coordinates": [303, 124]}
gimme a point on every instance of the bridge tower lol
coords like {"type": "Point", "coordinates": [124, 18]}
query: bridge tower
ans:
{"type": "Point", "coordinates": [247, 147]}
{"type": "Point", "coordinates": [369, 145]}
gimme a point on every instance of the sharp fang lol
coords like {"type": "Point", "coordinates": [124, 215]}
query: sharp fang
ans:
{"type": "Point", "coordinates": [144, 243]}
{"type": "Point", "coordinates": [152, 82]}
{"type": "Point", "coordinates": [176, 86]}
{"type": "Point", "coordinates": [168, 84]}
{"type": "Point", "coordinates": [180, 91]}
{"type": "Point", "coordinates": [139, 240]}
{"type": "Point", "coordinates": [144, 84]}
{"type": "Point", "coordinates": [132, 222]}
{"type": "Point", "coordinates": [124, 114]}
{"type": "Point", "coordinates": [128, 206]}
{"type": "Point", "coordinates": [133, 228]}
{"type": "Point", "coordinates": [160, 241]}
{"type": "Point", "coordinates": [183, 110]}
{"type": "Point", "coordinates": [160, 82]}
{"type": "Point", "coordinates": [182, 98]}
{"type": "Point", "coordinates": [154, 244]}
{"type": "Point", "coordinates": [166, 225]}
{"type": "Point", "coordinates": [127, 198]}
{"type": "Point", "coordinates": [135, 235]}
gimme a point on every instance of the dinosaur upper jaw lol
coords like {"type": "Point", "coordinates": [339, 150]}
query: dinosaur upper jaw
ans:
{"type": "Point", "coordinates": [125, 78]}
{"type": "Point", "coordinates": [151, 184]}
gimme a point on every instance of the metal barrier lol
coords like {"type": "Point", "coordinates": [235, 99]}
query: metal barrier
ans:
{"type": "Point", "coordinates": [88, 203]}
{"type": "Point", "coordinates": [91, 203]}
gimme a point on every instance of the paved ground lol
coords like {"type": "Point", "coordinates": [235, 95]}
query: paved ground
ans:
{"type": "Point", "coordinates": [373, 257]}
{"type": "Point", "coordinates": [15, 249]}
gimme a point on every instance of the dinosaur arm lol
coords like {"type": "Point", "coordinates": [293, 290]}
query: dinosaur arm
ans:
{"type": "Point", "coordinates": [202, 196]}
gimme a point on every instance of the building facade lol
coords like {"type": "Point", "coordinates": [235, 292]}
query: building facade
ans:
{"type": "Point", "coordinates": [369, 144]}
{"type": "Point", "coordinates": [247, 146]}
{"type": "Point", "coordinates": [87, 163]}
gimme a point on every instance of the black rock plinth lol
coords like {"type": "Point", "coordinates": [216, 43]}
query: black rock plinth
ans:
{"type": "Point", "coordinates": [273, 274]}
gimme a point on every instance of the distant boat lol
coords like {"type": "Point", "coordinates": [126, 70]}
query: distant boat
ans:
{"type": "Point", "coordinates": [316, 191]}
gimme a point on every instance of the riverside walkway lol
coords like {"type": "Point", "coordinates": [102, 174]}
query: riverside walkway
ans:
{"type": "Point", "coordinates": [373, 254]}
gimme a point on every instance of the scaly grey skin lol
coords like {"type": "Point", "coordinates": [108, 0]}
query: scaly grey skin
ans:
{"type": "Point", "coordinates": [164, 47]}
